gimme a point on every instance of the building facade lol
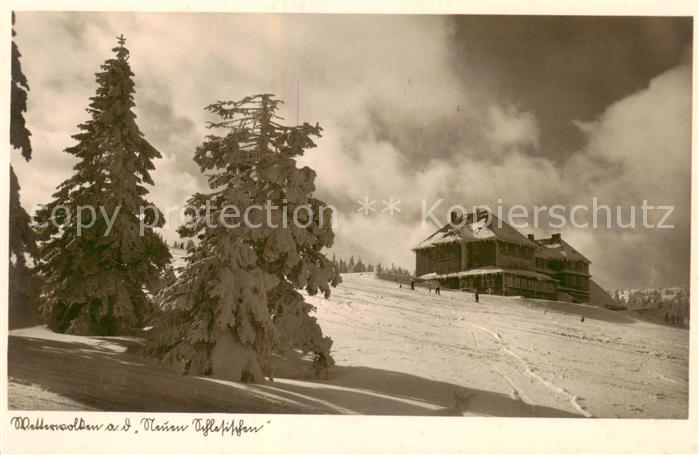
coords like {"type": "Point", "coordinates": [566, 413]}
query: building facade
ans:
{"type": "Point", "coordinates": [481, 252]}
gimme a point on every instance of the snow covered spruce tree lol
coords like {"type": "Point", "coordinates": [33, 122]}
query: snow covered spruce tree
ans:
{"type": "Point", "coordinates": [23, 282]}
{"type": "Point", "coordinates": [96, 277]}
{"type": "Point", "coordinates": [237, 300]}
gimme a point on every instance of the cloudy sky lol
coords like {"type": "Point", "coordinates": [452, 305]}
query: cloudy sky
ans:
{"type": "Point", "coordinates": [469, 109]}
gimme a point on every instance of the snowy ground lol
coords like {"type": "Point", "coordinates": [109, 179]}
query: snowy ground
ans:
{"type": "Point", "coordinates": [398, 352]}
{"type": "Point", "coordinates": [537, 352]}
{"type": "Point", "coordinates": [31, 396]}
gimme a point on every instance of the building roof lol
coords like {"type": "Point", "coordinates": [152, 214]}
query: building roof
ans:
{"type": "Point", "coordinates": [475, 227]}
{"type": "Point", "coordinates": [445, 235]}
{"type": "Point", "coordinates": [557, 248]}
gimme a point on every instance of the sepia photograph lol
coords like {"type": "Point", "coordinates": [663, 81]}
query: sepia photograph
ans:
{"type": "Point", "coordinates": [312, 213]}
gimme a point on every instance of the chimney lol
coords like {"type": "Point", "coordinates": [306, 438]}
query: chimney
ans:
{"type": "Point", "coordinates": [454, 218]}
{"type": "Point", "coordinates": [482, 212]}
{"type": "Point", "coordinates": [556, 237]}
{"type": "Point", "coordinates": [530, 237]}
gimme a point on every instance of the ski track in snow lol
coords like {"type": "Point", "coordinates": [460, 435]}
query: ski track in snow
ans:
{"type": "Point", "coordinates": [665, 378]}
{"type": "Point", "coordinates": [338, 409]}
{"type": "Point", "coordinates": [410, 351]}
{"type": "Point", "coordinates": [276, 394]}
{"type": "Point", "coordinates": [495, 335]}
{"type": "Point", "coordinates": [371, 393]}
{"type": "Point", "coordinates": [572, 399]}
{"type": "Point", "coordinates": [377, 324]}
{"type": "Point", "coordinates": [517, 393]}
{"type": "Point", "coordinates": [259, 393]}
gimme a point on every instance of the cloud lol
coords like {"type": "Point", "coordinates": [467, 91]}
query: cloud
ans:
{"type": "Point", "coordinates": [398, 121]}
{"type": "Point", "coordinates": [640, 149]}
{"type": "Point", "coordinates": [512, 128]}
{"type": "Point", "coordinates": [644, 141]}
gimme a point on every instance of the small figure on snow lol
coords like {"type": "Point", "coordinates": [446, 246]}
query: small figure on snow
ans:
{"type": "Point", "coordinates": [412, 284]}
{"type": "Point", "coordinates": [476, 295]}
{"type": "Point", "coordinates": [436, 289]}
{"type": "Point", "coordinates": [582, 319]}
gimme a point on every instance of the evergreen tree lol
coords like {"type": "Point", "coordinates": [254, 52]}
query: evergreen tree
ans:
{"type": "Point", "coordinates": [237, 300]}
{"type": "Point", "coordinates": [379, 268]}
{"type": "Point", "coordinates": [96, 278]}
{"type": "Point", "coordinates": [359, 266]}
{"type": "Point", "coordinates": [350, 264]}
{"type": "Point", "coordinates": [23, 283]}
{"type": "Point", "coordinates": [343, 266]}
{"type": "Point", "coordinates": [19, 134]}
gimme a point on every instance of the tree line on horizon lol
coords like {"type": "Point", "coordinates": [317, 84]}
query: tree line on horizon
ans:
{"type": "Point", "coordinates": [237, 301]}
{"type": "Point", "coordinates": [358, 266]}
{"type": "Point", "coordinates": [672, 304]}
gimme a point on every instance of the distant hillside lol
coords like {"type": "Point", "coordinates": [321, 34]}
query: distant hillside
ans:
{"type": "Point", "coordinates": [670, 304]}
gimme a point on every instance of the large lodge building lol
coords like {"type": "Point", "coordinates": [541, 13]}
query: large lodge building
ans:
{"type": "Point", "coordinates": [483, 252]}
